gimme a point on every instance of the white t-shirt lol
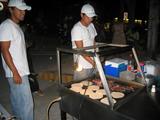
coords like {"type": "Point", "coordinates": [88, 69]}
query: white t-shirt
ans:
{"type": "Point", "coordinates": [87, 35]}
{"type": "Point", "coordinates": [10, 31]}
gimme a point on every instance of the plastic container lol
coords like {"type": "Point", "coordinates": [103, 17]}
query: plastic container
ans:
{"type": "Point", "coordinates": [113, 67]}
{"type": "Point", "coordinates": [153, 89]}
{"type": "Point", "coordinates": [127, 75]}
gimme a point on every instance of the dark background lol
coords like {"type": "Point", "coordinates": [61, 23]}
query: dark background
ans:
{"type": "Point", "coordinates": [53, 12]}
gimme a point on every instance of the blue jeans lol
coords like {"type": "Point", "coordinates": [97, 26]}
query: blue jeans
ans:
{"type": "Point", "coordinates": [84, 74]}
{"type": "Point", "coordinates": [21, 99]}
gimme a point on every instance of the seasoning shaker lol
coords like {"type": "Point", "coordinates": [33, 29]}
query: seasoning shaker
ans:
{"type": "Point", "coordinates": [153, 89]}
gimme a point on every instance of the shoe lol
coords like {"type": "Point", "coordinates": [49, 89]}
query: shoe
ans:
{"type": "Point", "coordinates": [39, 92]}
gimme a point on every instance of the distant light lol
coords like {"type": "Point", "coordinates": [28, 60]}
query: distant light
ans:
{"type": "Point", "coordinates": [146, 29]}
{"type": "Point", "coordinates": [136, 21]}
{"type": "Point", "coordinates": [140, 21]}
{"type": "Point", "coordinates": [125, 15]}
{"type": "Point", "coordinates": [145, 21]}
{"type": "Point", "coordinates": [116, 19]}
{"type": "Point", "coordinates": [126, 20]}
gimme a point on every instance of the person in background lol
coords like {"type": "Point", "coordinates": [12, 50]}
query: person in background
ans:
{"type": "Point", "coordinates": [132, 36]}
{"type": "Point", "coordinates": [34, 84]}
{"type": "Point", "coordinates": [14, 59]}
{"type": "Point", "coordinates": [83, 34]}
{"type": "Point", "coordinates": [118, 33]}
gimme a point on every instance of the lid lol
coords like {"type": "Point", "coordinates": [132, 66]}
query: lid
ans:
{"type": "Point", "coordinates": [115, 62]}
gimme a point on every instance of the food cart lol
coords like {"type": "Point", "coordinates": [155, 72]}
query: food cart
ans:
{"type": "Point", "coordinates": [135, 102]}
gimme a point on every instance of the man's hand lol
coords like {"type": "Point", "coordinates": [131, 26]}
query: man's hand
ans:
{"type": "Point", "coordinates": [17, 78]}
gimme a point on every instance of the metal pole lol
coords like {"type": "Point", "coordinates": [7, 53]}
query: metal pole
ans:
{"type": "Point", "coordinates": [104, 81]}
{"type": "Point", "coordinates": [59, 66]}
{"type": "Point", "coordinates": [137, 61]}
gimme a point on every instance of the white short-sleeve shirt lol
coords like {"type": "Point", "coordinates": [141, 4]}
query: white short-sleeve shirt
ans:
{"type": "Point", "coordinates": [87, 35]}
{"type": "Point", "coordinates": [10, 31]}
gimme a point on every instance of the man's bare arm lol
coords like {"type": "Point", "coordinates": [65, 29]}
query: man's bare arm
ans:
{"type": "Point", "coordinates": [79, 44]}
{"type": "Point", "coordinates": [8, 59]}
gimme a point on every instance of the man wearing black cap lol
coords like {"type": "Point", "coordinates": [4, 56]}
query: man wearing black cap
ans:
{"type": "Point", "coordinates": [15, 62]}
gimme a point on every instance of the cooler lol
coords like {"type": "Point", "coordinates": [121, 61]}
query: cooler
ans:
{"type": "Point", "coordinates": [114, 66]}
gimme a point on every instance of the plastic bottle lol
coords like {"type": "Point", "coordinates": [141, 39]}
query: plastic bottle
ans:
{"type": "Point", "coordinates": [130, 63]}
{"type": "Point", "coordinates": [130, 66]}
{"type": "Point", "coordinates": [153, 89]}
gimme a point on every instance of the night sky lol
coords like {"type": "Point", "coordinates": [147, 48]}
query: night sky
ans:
{"type": "Point", "coordinates": [109, 8]}
{"type": "Point", "coordinates": [53, 12]}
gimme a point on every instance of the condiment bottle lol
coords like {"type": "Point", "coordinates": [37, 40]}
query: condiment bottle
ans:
{"type": "Point", "coordinates": [153, 89]}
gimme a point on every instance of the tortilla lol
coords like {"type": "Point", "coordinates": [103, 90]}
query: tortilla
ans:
{"type": "Point", "coordinates": [101, 91]}
{"type": "Point", "coordinates": [77, 85]}
{"type": "Point", "coordinates": [76, 89]}
{"type": "Point", "coordinates": [95, 95]}
{"type": "Point", "coordinates": [106, 101]}
{"type": "Point", "coordinates": [82, 91]}
{"type": "Point", "coordinates": [88, 92]}
{"type": "Point", "coordinates": [93, 87]}
{"type": "Point", "coordinates": [117, 95]}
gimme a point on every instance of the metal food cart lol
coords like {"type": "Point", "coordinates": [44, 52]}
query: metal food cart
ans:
{"type": "Point", "coordinates": [137, 105]}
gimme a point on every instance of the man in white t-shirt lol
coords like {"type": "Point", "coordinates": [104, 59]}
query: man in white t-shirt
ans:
{"type": "Point", "coordinates": [14, 59]}
{"type": "Point", "coordinates": [82, 35]}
